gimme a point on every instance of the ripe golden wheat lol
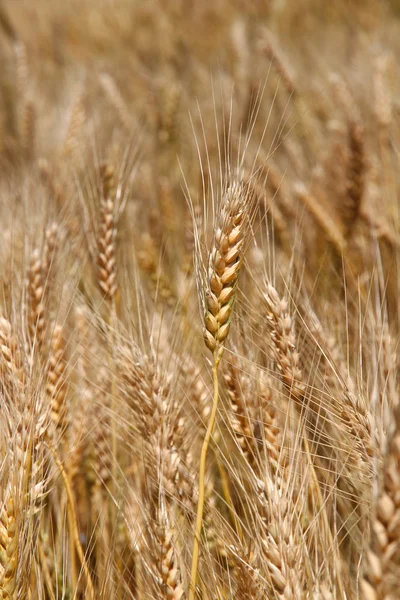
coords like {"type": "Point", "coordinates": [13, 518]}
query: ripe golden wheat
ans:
{"type": "Point", "coordinates": [199, 300]}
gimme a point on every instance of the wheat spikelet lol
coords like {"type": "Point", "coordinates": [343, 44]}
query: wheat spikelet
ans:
{"type": "Point", "coordinates": [351, 205]}
{"type": "Point", "coordinates": [31, 428]}
{"type": "Point", "coordinates": [277, 506]}
{"type": "Point", "coordinates": [157, 414]}
{"type": "Point", "coordinates": [284, 347]}
{"type": "Point", "coordinates": [36, 309]}
{"type": "Point", "coordinates": [224, 265]}
{"type": "Point", "coordinates": [8, 547]}
{"type": "Point", "coordinates": [11, 361]}
{"type": "Point", "coordinates": [28, 423]}
{"type": "Point", "coordinates": [56, 386]}
{"type": "Point", "coordinates": [283, 553]}
{"type": "Point", "coordinates": [253, 417]}
{"type": "Point", "coordinates": [167, 575]}
{"type": "Point", "coordinates": [145, 391]}
{"type": "Point", "coordinates": [106, 260]}
{"type": "Point", "coordinates": [77, 120]}
{"type": "Point", "coordinates": [50, 246]}
{"type": "Point", "coordinates": [382, 562]}
{"type": "Point", "coordinates": [38, 281]}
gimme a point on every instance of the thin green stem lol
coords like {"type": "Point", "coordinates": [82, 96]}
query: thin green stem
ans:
{"type": "Point", "coordinates": [202, 476]}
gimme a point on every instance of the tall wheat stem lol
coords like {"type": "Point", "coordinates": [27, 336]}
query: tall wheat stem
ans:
{"type": "Point", "coordinates": [202, 474]}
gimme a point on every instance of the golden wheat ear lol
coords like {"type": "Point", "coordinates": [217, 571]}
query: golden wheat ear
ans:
{"type": "Point", "coordinates": [106, 260]}
{"type": "Point", "coordinates": [8, 546]}
{"type": "Point", "coordinates": [56, 382]}
{"type": "Point", "coordinates": [22, 496]}
{"type": "Point", "coordinates": [382, 558]}
{"type": "Point", "coordinates": [225, 260]}
{"type": "Point", "coordinates": [38, 286]}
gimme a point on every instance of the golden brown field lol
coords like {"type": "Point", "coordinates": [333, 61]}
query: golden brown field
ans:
{"type": "Point", "coordinates": [199, 300]}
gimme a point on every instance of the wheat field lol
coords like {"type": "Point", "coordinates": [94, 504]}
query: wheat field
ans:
{"type": "Point", "coordinates": [199, 300]}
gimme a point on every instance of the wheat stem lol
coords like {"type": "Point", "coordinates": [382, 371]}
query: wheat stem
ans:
{"type": "Point", "coordinates": [202, 475]}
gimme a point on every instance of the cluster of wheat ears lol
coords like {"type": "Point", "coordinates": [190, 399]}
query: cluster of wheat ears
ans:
{"type": "Point", "coordinates": [199, 300]}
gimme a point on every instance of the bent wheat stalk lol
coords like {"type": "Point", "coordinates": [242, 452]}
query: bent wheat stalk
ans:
{"type": "Point", "coordinates": [220, 285]}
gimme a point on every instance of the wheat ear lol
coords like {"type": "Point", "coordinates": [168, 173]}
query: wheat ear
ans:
{"type": "Point", "coordinates": [20, 513]}
{"type": "Point", "coordinates": [37, 285]}
{"type": "Point", "coordinates": [11, 382]}
{"type": "Point", "coordinates": [382, 563]}
{"type": "Point", "coordinates": [8, 547]}
{"type": "Point", "coordinates": [56, 384]}
{"type": "Point", "coordinates": [223, 270]}
{"type": "Point", "coordinates": [167, 574]}
{"type": "Point", "coordinates": [106, 262]}
{"type": "Point", "coordinates": [355, 177]}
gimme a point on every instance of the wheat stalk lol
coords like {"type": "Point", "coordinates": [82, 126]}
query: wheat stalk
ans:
{"type": "Point", "coordinates": [225, 260]}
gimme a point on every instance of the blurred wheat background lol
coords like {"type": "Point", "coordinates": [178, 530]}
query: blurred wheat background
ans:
{"type": "Point", "coordinates": [199, 300]}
